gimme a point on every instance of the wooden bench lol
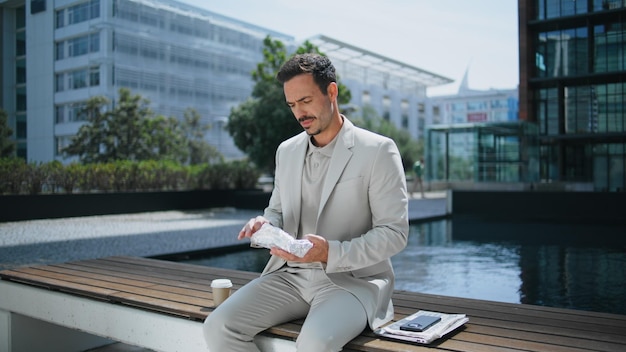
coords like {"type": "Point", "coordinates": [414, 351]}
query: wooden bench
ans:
{"type": "Point", "coordinates": [160, 305]}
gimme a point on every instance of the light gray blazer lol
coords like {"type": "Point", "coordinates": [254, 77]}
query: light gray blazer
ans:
{"type": "Point", "coordinates": [363, 212]}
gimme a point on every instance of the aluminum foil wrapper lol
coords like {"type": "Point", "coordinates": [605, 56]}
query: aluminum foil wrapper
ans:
{"type": "Point", "coordinates": [269, 236]}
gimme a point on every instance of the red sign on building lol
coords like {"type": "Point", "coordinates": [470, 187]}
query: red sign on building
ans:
{"type": "Point", "coordinates": [477, 117]}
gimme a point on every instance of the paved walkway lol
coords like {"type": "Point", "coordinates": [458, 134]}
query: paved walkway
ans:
{"type": "Point", "coordinates": [144, 234]}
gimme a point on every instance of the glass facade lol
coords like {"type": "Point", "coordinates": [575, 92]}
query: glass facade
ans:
{"type": "Point", "coordinates": [483, 152]}
{"type": "Point", "coordinates": [576, 87]}
{"type": "Point", "coordinates": [175, 55]}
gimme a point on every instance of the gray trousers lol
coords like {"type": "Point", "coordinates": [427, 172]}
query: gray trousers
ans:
{"type": "Point", "coordinates": [333, 315]}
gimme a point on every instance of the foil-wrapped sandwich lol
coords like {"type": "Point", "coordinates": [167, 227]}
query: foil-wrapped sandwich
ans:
{"type": "Point", "coordinates": [269, 236]}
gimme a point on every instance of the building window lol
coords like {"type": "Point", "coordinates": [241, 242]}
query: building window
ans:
{"type": "Point", "coordinates": [60, 18]}
{"type": "Point", "coordinates": [20, 126]}
{"type": "Point", "coordinates": [81, 45]}
{"type": "Point", "coordinates": [37, 6]}
{"type": "Point", "coordinates": [59, 51]}
{"type": "Point", "coordinates": [458, 106]}
{"type": "Point", "coordinates": [78, 79]}
{"type": "Point", "coordinates": [83, 12]}
{"type": "Point", "coordinates": [387, 108]}
{"type": "Point", "coordinates": [20, 99]}
{"type": "Point", "coordinates": [94, 42]}
{"type": "Point", "coordinates": [61, 143]}
{"type": "Point", "coordinates": [476, 106]}
{"type": "Point", "coordinates": [94, 76]}
{"type": "Point", "coordinates": [20, 43]}
{"type": "Point", "coordinates": [547, 111]}
{"type": "Point", "coordinates": [562, 53]}
{"type": "Point", "coordinates": [59, 80]}
{"type": "Point", "coordinates": [609, 48]}
{"type": "Point", "coordinates": [78, 46]}
{"type": "Point", "coordinates": [20, 71]}
{"type": "Point", "coordinates": [20, 17]}
{"type": "Point", "coordinates": [59, 114]}
{"type": "Point", "coordinates": [558, 8]}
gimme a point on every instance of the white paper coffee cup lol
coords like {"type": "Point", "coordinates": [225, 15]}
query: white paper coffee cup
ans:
{"type": "Point", "coordinates": [221, 290]}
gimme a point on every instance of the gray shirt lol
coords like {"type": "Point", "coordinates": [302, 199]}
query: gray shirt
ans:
{"type": "Point", "coordinates": [315, 167]}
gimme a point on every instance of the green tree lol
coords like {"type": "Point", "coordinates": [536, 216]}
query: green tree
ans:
{"type": "Point", "coordinates": [131, 131]}
{"type": "Point", "coordinates": [92, 137]}
{"type": "Point", "coordinates": [194, 131]}
{"type": "Point", "coordinates": [7, 145]}
{"type": "Point", "coordinates": [261, 123]}
{"type": "Point", "coordinates": [410, 149]}
{"type": "Point", "coordinates": [130, 128]}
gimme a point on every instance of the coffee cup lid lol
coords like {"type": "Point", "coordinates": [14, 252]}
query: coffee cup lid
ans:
{"type": "Point", "coordinates": [221, 283]}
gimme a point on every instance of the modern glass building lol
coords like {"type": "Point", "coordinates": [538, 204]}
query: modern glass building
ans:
{"type": "Point", "coordinates": [482, 152]}
{"type": "Point", "coordinates": [472, 105]}
{"type": "Point", "coordinates": [57, 54]}
{"type": "Point", "coordinates": [573, 86]}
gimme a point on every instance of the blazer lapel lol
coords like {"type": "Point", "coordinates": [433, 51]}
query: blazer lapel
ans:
{"type": "Point", "coordinates": [294, 179]}
{"type": "Point", "coordinates": [341, 156]}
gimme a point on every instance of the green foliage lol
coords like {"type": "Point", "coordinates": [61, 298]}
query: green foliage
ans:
{"type": "Point", "coordinates": [7, 145]}
{"type": "Point", "coordinates": [131, 131]}
{"type": "Point", "coordinates": [193, 132]}
{"type": "Point", "coordinates": [261, 123]}
{"type": "Point", "coordinates": [19, 177]}
{"type": "Point", "coordinates": [410, 149]}
{"type": "Point", "coordinates": [12, 175]}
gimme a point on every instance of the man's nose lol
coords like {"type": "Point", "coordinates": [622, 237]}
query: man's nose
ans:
{"type": "Point", "coordinates": [299, 112]}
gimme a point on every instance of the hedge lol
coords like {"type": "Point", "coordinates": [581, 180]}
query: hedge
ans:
{"type": "Point", "coordinates": [20, 177]}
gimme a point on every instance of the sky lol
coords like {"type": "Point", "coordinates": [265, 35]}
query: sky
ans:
{"type": "Point", "coordinates": [444, 37]}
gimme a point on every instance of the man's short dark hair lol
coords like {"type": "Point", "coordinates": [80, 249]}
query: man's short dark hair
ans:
{"type": "Point", "coordinates": [317, 65]}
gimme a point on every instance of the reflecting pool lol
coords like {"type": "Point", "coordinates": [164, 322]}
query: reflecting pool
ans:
{"type": "Point", "coordinates": [569, 266]}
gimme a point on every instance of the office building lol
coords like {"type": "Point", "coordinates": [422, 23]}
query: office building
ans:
{"type": "Point", "coordinates": [472, 105]}
{"type": "Point", "coordinates": [573, 86]}
{"type": "Point", "coordinates": [57, 54]}
{"type": "Point", "coordinates": [478, 137]}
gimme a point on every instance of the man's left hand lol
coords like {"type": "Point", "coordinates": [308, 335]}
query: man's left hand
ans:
{"type": "Point", "coordinates": [317, 253]}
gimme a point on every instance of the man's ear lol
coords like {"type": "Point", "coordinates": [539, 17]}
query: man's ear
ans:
{"type": "Point", "coordinates": [332, 91]}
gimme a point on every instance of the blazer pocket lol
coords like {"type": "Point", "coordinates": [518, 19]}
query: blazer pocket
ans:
{"type": "Point", "coordinates": [355, 182]}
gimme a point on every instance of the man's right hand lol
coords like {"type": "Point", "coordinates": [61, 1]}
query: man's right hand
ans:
{"type": "Point", "coordinates": [252, 226]}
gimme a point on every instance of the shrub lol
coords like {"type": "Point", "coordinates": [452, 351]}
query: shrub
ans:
{"type": "Point", "coordinates": [17, 177]}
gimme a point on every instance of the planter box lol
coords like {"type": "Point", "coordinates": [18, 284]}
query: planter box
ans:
{"type": "Point", "coordinates": [47, 206]}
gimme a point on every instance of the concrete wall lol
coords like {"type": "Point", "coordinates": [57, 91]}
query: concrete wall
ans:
{"type": "Point", "coordinates": [542, 206]}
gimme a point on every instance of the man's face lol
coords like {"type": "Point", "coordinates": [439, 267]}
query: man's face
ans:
{"type": "Point", "coordinates": [311, 108]}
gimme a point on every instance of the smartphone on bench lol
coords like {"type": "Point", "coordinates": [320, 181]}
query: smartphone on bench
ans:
{"type": "Point", "coordinates": [420, 323]}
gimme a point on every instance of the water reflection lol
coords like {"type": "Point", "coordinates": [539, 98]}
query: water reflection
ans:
{"type": "Point", "coordinates": [434, 263]}
{"type": "Point", "coordinates": [580, 267]}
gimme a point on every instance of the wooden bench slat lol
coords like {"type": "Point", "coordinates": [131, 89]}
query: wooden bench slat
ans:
{"type": "Point", "coordinates": [137, 276]}
{"type": "Point", "coordinates": [56, 284]}
{"type": "Point", "coordinates": [528, 309]}
{"type": "Point", "coordinates": [152, 272]}
{"type": "Point", "coordinates": [110, 290]}
{"type": "Point", "coordinates": [594, 342]}
{"type": "Point", "coordinates": [521, 344]}
{"type": "Point", "coordinates": [201, 291]}
{"type": "Point", "coordinates": [188, 310]}
{"type": "Point", "coordinates": [548, 317]}
{"type": "Point", "coordinates": [569, 328]}
{"type": "Point", "coordinates": [162, 265]}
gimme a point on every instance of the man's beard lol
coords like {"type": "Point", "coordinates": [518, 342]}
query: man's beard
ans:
{"type": "Point", "coordinates": [310, 133]}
